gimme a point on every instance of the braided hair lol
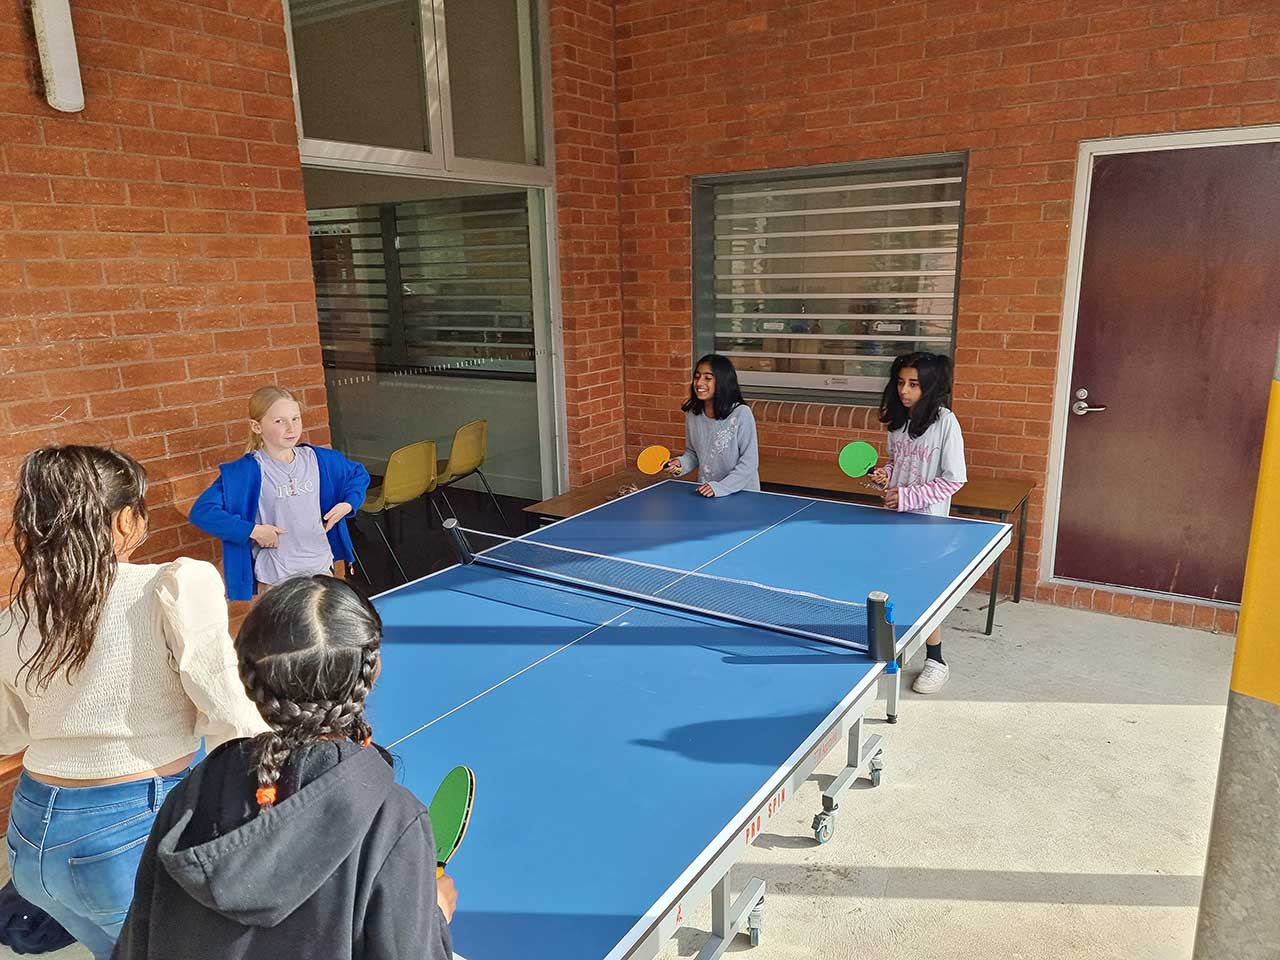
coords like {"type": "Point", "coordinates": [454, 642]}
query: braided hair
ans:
{"type": "Point", "coordinates": [308, 654]}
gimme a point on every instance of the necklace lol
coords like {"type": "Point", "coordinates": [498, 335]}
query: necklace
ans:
{"type": "Point", "coordinates": [291, 482]}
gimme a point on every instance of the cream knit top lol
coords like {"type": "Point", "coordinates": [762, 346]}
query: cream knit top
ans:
{"type": "Point", "coordinates": [161, 675]}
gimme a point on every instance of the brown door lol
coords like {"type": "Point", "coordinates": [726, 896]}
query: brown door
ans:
{"type": "Point", "coordinates": [1176, 337]}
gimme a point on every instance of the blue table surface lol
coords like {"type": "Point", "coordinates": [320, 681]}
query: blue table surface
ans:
{"type": "Point", "coordinates": [614, 744]}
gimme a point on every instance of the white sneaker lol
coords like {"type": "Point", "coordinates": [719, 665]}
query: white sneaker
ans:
{"type": "Point", "coordinates": [932, 678]}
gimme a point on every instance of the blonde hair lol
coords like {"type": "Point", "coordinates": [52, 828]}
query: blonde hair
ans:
{"type": "Point", "coordinates": [260, 403]}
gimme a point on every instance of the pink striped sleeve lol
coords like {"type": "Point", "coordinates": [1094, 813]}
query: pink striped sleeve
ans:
{"type": "Point", "coordinates": [919, 496]}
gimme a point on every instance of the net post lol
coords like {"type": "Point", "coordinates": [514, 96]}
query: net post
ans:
{"type": "Point", "coordinates": [459, 541]}
{"type": "Point", "coordinates": [881, 640]}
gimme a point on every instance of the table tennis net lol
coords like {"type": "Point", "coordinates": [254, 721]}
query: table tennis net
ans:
{"type": "Point", "coordinates": [810, 615]}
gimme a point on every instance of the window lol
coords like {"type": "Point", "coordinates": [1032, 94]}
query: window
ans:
{"type": "Point", "coordinates": [441, 286]}
{"type": "Point", "coordinates": [360, 70]}
{"type": "Point", "coordinates": [492, 98]}
{"type": "Point", "coordinates": [434, 311]}
{"type": "Point", "coordinates": [422, 131]}
{"type": "Point", "coordinates": [812, 282]}
{"type": "Point", "coordinates": [418, 86]}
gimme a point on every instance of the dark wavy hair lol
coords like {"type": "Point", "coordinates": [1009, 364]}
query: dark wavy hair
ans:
{"type": "Point", "coordinates": [934, 371]}
{"type": "Point", "coordinates": [308, 656]}
{"type": "Point", "coordinates": [728, 394]}
{"type": "Point", "coordinates": [67, 500]}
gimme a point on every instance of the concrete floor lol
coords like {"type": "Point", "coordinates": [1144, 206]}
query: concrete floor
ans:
{"type": "Point", "coordinates": [1052, 802]}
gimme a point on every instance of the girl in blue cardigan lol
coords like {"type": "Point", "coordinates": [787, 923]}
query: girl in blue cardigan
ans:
{"type": "Point", "coordinates": [281, 509]}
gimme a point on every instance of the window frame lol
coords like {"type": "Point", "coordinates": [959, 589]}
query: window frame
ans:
{"type": "Point", "coordinates": [703, 240]}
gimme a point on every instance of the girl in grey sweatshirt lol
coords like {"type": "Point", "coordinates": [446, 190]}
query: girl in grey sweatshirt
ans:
{"type": "Point", "coordinates": [720, 432]}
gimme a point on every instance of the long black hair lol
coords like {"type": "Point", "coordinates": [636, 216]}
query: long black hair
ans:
{"type": "Point", "coordinates": [728, 394]}
{"type": "Point", "coordinates": [934, 372]}
{"type": "Point", "coordinates": [308, 657]}
{"type": "Point", "coordinates": [62, 529]}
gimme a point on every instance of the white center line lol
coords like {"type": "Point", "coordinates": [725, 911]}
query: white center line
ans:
{"type": "Point", "coordinates": [594, 629]}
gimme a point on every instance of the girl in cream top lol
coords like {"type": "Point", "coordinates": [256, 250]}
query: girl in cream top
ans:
{"type": "Point", "coordinates": [111, 672]}
{"type": "Point", "coordinates": [160, 675]}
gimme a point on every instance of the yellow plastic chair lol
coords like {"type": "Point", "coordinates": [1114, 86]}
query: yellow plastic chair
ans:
{"type": "Point", "coordinates": [466, 456]}
{"type": "Point", "coordinates": [411, 473]}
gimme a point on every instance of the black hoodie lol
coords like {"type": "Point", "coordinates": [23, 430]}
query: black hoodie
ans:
{"type": "Point", "coordinates": [342, 866]}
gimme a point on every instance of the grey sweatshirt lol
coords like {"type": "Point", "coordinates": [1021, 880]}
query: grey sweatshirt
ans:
{"type": "Point", "coordinates": [723, 451]}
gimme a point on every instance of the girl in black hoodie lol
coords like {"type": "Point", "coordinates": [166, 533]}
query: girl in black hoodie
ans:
{"type": "Point", "coordinates": [297, 843]}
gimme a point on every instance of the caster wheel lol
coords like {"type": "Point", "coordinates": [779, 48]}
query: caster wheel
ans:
{"type": "Point", "coordinates": [755, 922]}
{"type": "Point", "coordinates": [823, 826]}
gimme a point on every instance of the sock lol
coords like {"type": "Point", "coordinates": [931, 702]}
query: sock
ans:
{"type": "Point", "coordinates": [933, 651]}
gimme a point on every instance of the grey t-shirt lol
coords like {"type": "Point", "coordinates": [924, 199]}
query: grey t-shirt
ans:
{"type": "Point", "coordinates": [937, 454]}
{"type": "Point", "coordinates": [290, 498]}
{"type": "Point", "coordinates": [724, 451]}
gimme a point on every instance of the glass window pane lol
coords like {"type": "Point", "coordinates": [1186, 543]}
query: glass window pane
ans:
{"type": "Point", "coordinates": [468, 291]}
{"type": "Point", "coordinates": [425, 294]}
{"type": "Point", "coordinates": [493, 87]}
{"type": "Point", "coordinates": [360, 71]}
{"type": "Point", "coordinates": [422, 273]}
{"type": "Point", "coordinates": [817, 283]}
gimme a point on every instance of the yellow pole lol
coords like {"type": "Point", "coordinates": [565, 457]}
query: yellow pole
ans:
{"type": "Point", "coordinates": [1257, 668]}
{"type": "Point", "coordinates": [1240, 903]}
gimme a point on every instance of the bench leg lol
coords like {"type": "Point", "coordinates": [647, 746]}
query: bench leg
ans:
{"type": "Point", "coordinates": [1022, 547]}
{"type": "Point", "coordinates": [991, 604]}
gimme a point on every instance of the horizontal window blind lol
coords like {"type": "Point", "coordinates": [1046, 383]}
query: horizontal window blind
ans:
{"type": "Point", "coordinates": [434, 286]}
{"type": "Point", "coordinates": [815, 283]}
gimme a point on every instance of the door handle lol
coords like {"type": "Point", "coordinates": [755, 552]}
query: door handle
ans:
{"type": "Point", "coordinates": [1081, 407]}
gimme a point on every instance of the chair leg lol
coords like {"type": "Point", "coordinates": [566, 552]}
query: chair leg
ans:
{"type": "Point", "coordinates": [506, 523]}
{"type": "Point", "coordinates": [358, 564]}
{"type": "Point", "coordinates": [436, 507]}
{"type": "Point", "coordinates": [453, 513]}
{"type": "Point", "coordinates": [390, 551]}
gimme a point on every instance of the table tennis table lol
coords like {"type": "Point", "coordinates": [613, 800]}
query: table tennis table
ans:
{"type": "Point", "coordinates": [627, 753]}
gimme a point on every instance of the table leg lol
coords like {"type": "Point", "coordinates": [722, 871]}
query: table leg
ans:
{"type": "Point", "coordinates": [868, 754]}
{"type": "Point", "coordinates": [729, 918]}
{"type": "Point", "coordinates": [891, 685]}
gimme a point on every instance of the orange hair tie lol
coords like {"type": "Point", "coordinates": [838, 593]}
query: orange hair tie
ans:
{"type": "Point", "coordinates": [366, 741]}
{"type": "Point", "coordinates": [266, 796]}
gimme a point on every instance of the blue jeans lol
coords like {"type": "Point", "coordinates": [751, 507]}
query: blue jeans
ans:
{"type": "Point", "coordinates": [74, 851]}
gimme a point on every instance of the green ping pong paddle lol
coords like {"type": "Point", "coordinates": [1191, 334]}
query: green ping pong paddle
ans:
{"type": "Point", "coordinates": [857, 458]}
{"type": "Point", "coordinates": [653, 459]}
{"type": "Point", "coordinates": [450, 812]}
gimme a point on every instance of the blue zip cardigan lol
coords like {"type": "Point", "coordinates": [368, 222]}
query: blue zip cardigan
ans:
{"type": "Point", "coordinates": [229, 507]}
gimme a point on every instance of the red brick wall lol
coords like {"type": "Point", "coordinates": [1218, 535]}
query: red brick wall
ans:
{"type": "Point", "coordinates": [154, 263]}
{"type": "Point", "coordinates": [586, 157]}
{"type": "Point", "coordinates": [722, 86]}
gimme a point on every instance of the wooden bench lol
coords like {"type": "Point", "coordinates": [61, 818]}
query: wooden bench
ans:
{"type": "Point", "coordinates": [984, 497]}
